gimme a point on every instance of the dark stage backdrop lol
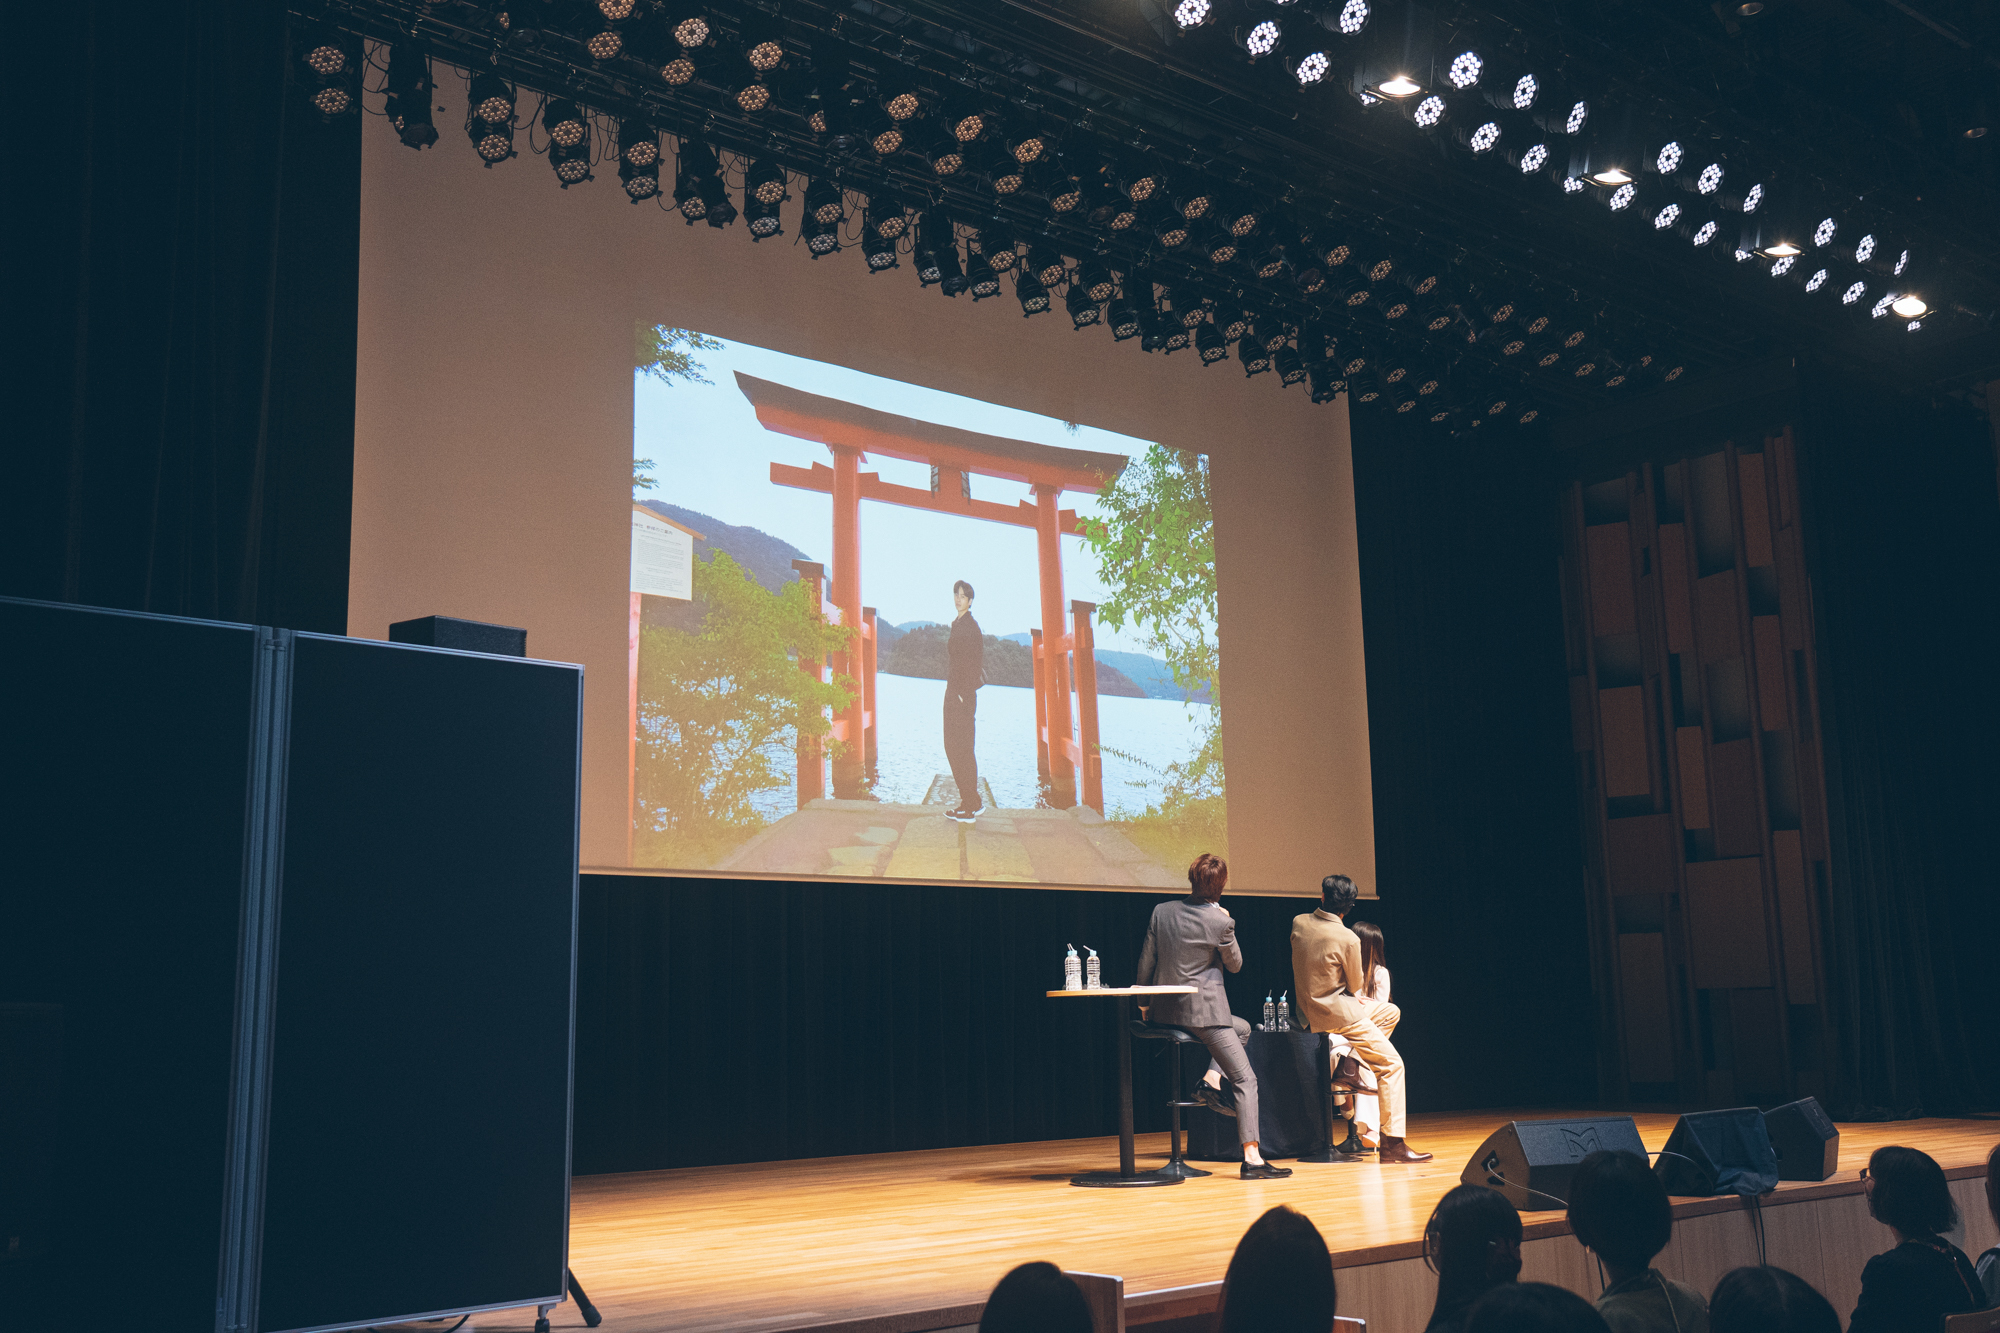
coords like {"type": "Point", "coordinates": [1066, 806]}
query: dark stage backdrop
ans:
{"type": "Point", "coordinates": [181, 417]}
{"type": "Point", "coordinates": [729, 1021]}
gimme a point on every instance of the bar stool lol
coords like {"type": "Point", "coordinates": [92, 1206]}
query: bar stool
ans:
{"type": "Point", "coordinates": [1175, 1039]}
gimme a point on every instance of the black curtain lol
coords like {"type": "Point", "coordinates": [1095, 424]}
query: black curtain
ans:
{"type": "Point", "coordinates": [1903, 532]}
{"type": "Point", "coordinates": [185, 237]}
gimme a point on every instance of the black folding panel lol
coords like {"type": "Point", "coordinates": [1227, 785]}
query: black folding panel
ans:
{"type": "Point", "coordinates": [126, 739]}
{"type": "Point", "coordinates": [418, 1156]}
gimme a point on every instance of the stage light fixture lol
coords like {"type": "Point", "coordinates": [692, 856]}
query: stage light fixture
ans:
{"type": "Point", "coordinates": [1465, 70]}
{"type": "Point", "coordinates": [1781, 250]}
{"type": "Point", "coordinates": [1617, 176]}
{"type": "Point", "coordinates": [1914, 325]}
{"type": "Point", "coordinates": [1123, 316]}
{"type": "Point", "coordinates": [878, 250]}
{"type": "Point", "coordinates": [1336, 253]}
{"type": "Point", "coordinates": [1666, 217]}
{"type": "Point", "coordinates": [1083, 312]}
{"type": "Point", "coordinates": [1549, 359]}
{"type": "Point", "coordinates": [331, 65]}
{"type": "Point", "coordinates": [1261, 39]}
{"type": "Point", "coordinates": [882, 133]}
{"type": "Point", "coordinates": [1398, 85]}
{"type": "Point", "coordinates": [1622, 197]}
{"type": "Point", "coordinates": [1255, 359]}
{"type": "Point", "coordinates": [1910, 306]}
{"type": "Point", "coordinates": [1311, 69]}
{"type": "Point", "coordinates": [1233, 325]}
{"type": "Point", "coordinates": [1864, 249]}
{"type": "Point", "coordinates": [1817, 281]}
{"type": "Point", "coordinates": [1882, 306]}
{"type": "Point", "coordinates": [1025, 145]}
{"type": "Point", "coordinates": [563, 120]}
{"type": "Point", "coordinates": [1574, 185]}
{"type": "Point", "coordinates": [1484, 138]}
{"type": "Point", "coordinates": [1526, 89]}
{"type": "Point", "coordinates": [765, 182]}
{"type": "Point", "coordinates": [1823, 233]}
{"type": "Point", "coordinates": [1668, 160]}
{"type": "Point", "coordinates": [1512, 347]}
{"type": "Point", "coordinates": [996, 241]}
{"type": "Point", "coordinates": [902, 101]}
{"type": "Point", "coordinates": [884, 218]}
{"type": "Point", "coordinates": [689, 24]}
{"type": "Point", "coordinates": [411, 92]}
{"type": "Point", "coordinates": [1290, 366]}
{"type": "Point", "coordinates": [1710, 179]}
{"type": "Point", "coordinates": [1496, 407]}
{"type": "Point", "coordinates": [761, 217]}
{"type": "Point", "coordinates": [1574, 121]}
{"type": "Point", "coordinates": [1274, 262]}
{"type": "Point", "coordinates": [936, 254]}
{"type": "Point", "coordinates": [1742, 254]}
{"type": "Point", "coordinates": [1902, 262]}
{"type": "Point", "coordinates": [824, 202]}
{"type": "Point", "coordinates": [571, 161]}
{"type": "Point", "coordinates": [1353, 17]}
{"type": "Point", "coordinates": [762, 37]}
{"type": "Point", "coordinates": [1002, 172]}
{"type": "Point", "coordinates": [1529, 415]}
{"type": "Point", "coordinates": [638, 160]}
{"type": "Point", "coordinates": [1209, 344]}
{"type": "Point", "coordinates": [1048, 266]}
{"type": "Point", "coordinates": [1532, 158]}
{"type": "Point", "coordinates": [1753, 198]}
{"type": "Point", "coordinates": [698, 166]}
{"type": "Point", "coordinates": [1064, 189]}
{"type": "Point", "coordinates": [1238, 217]}
{"type": "Point", "coordinates": [1854, 293]}
{"type": "Point", "coordinates": [490, 124]}
{"type": "Point", "coordinates": [1395, 308]}
{"type": "Point", "coordinates": [822, 238]}
{"type": "Point", "coordinates": [980, 279]}
{"type": "Point", "coordinates": [1429, 111]}
{"type": "Point", "coordinates": [1194, 203]}
{"type": "Point", "coordinates": [605, 44]}
{"type": "Point", "coordinates": [1705, 233]}
{"type": "Point", "coordinates": [1171, 230]}
{"type": "Point", "coordinates": [1190, 14]}
{"type": "Point", "coordinates": [1095, 281]}
{"type": "Point", "coordinates": [1325, 383]}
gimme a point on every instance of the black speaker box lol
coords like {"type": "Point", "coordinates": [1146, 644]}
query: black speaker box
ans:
{"type": "Point", "coordinates": [469, 636]}
{"type": "Point", "coordinates": [1719, 1152]}
{"type": "Point", "coordinates": [1805, 1140]}
{"type": "Point", "coordinates": [1531, 1161]}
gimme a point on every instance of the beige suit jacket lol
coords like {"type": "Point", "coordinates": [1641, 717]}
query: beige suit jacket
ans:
{"type": "Point", "coordinates": [1325, 954]}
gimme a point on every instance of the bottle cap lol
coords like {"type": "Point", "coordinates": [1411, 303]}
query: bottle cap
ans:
{"type": "Point", "coordinates": [1072, 951]}
{"type": "Point", "coordinates": [1093, 952]}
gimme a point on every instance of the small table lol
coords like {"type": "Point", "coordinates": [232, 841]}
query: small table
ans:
{"type": "Point", "coordinates": [1127, 1176]}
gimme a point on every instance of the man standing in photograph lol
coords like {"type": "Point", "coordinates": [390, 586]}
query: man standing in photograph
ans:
{"type": "Point", "coordinates": [962, 680]}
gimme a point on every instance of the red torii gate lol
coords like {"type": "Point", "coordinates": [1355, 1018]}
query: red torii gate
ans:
{"type": "Point", "coordinates": [850, 434]}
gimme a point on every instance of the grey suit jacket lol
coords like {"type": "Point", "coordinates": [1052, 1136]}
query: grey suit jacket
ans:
{"type": "Point", "coordinates": [1188, 943]}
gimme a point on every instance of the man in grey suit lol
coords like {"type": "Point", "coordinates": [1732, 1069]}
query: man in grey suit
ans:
{"type": "Point", "coordinates": [1188, 943]}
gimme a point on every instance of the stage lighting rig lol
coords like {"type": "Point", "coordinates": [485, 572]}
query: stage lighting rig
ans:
{"type": "Point", "coordinates": [411, 91]}
{"type": "Point", "coordinates": [569, 141]}
{"type": "Point", "coordinates": [1095, 281]}
{"type": "Point", "coordinates": [996, 241]}
{"type": "Point", "coordinates": [1083, 312]}
{"type": "Point", "coordinates": [824, 201]}
{"type": "Point", "coordinates": [1209, 344]}
{"type": "Point", "coordinates": [1034, 297]}
{"type": "Point", "coordinates": [699, 192]}
{"type": "Point", "coordinates": [1123, 317]}
{"type": "Point", "coordinates": [821, 238]}
{"type": "Point", "coordinates": [638, 160]}
{"type": "Point", "coordinates": [489, 119]}
{"type": "Point", "coordinates": [980, 279]}
{"type": "Point", "coordinates": [330, 68]}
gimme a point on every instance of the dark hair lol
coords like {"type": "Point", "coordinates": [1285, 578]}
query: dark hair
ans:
{"type": "Point", "coordinates": [1373, 955]}
{"type": "Point", "coordinates": [1036, 1298]}
{"type": "Point", "coordinates": [1459, 1240]}
{"type": "Point", "coordinates": [1280, 1279]}
{"type": "Point", "coordinates": [1910, 1193]}
{"type": "Point", "coordinates": [1618, 1207]}
{"type": "Point", "coordinates": [1337, 893]}
{"type": "Point", "coordinates": [1993, 1182]}
{"type": "Point", "coordinates": [962, 587]}
{"type": "Point", "coordinates": [1768, 1300]}
{"type": "Point", "coordinates": [1533, 1307]}
{"type": "Point", "coordinates": [1207, 874]}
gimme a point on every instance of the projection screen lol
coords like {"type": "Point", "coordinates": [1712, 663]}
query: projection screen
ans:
{"type": "Point", "coordinates": [741, 485]}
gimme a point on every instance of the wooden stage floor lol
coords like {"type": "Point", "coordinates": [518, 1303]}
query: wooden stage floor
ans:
{"type": "Point", "coordinates": [913, 1241]}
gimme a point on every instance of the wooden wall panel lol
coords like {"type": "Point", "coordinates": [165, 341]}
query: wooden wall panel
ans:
{"type": "Point", "coordinates": [1676, 596]}
{"type": "Point", "coordinates": [1977, 1232]}
{"type": "Point", "coordinates": [1704, 1248]}
{"type": "Point", "coordinates": [1767, 636]}
{"type": "Point", "coordinates": [1561, 1260]}
{"type": "Point", "coordinates": [1608, 551]}
{"type": "Point", "coordinates": [1626, 769]}
{"type": "Point", "coordinates": [1715, 617]}
{"type": "Point", "coordinates": [1788, 870]}
{"type": "Point", "coordinates": [1848, 1239]}
{"type": "Point", "coordinates": [1756, 498]}
{"type": "Point", "coordinates": [1733, 793]}
{"type": "Point", "coordinates": [1757, 1039]}
{"type": "Point", "coordinates": [1398, 1294]}
{"type": "Point", "coordinates": [1642, 985]}
{"type": "Point", "coordinates": [1692, 750]}
{"type": "Point", "coordinates": [1725, 908]}
{"type": "Point", "coordinates": [1641, 853]}
{"type": "Point", "coordinates": [1581, 730]}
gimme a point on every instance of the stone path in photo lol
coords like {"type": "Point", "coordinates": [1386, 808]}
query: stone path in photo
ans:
{"type": "Point", "coordinates": [870, 838]}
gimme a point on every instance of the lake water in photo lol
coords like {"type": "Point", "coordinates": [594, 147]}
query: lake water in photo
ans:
{"type": "Point", "coordinates": [910, 748]}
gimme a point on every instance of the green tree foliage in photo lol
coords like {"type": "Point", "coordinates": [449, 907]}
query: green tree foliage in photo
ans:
{"type": "Point", "coordinates": [1156, 549]}
{"type": "Point", "coordinates": [667, 354]}
{"type": "Point", "coordinates": [721, 710]}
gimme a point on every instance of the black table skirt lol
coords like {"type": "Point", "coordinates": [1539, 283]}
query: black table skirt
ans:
{"type": "Point", "coordinates": [1291, 1096]}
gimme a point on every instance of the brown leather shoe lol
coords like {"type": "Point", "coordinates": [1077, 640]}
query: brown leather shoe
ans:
{"type": "Point", "coordinates": [1395, 1150]}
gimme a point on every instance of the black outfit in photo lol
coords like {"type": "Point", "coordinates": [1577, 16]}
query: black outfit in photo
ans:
{"type": "Point", "coordinates": [961, 696]}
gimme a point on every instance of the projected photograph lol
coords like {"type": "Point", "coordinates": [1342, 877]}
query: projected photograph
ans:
{"type": "Point", "coordinates": [878, 629]}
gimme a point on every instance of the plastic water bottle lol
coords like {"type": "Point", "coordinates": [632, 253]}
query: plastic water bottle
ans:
{"type": "Point", "coordinates": [1093, 974]}
{"type": "Point", "coordinates": [1285, 1012]}
{"type": "Point", "coordinates": [1270, 1014]}
{"type": "Point", "coordinates": [1072, 970]}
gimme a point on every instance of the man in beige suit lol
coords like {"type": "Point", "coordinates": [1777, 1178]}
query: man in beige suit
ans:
{"type": "Point", "coordinates": [1326, 976]}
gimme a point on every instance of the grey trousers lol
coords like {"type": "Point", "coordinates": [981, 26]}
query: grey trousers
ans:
{"type": "Point", "coordinates": [1225, 1049]}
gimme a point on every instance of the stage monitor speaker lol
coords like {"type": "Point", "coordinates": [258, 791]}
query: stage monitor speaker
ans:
{"type": "Point", "coordinates": [469, 636]}
{"type": "Point", "coordinates": [1805, 1140]}
{"type": "Point", "coordinates": [1719, 1152]}
{"type": "Point", "coordinates": [1531, 1161]}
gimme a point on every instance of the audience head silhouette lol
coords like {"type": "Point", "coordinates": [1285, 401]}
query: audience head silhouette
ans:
{"type": "Point", "coordinates": [1618, 1208]}
{"type": "Point", "coordinates": [1768, 1300]}
{"type": "Point", "coordinates": [1473, 1243]}
{"type": "Point", "coordinates": [1337, 894]}
{"type": "Point", "coordinates": [1907, 1191]}
{"type": "Point", "coordinates": [1533, 1307]}
{"type": "Point", "coordinates": [1280, 1280]}
{"type": "Point", "coordinates": [1036, 1298]}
